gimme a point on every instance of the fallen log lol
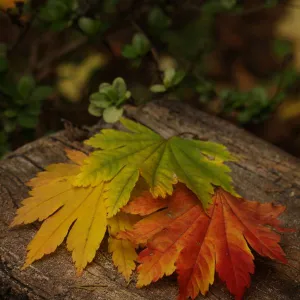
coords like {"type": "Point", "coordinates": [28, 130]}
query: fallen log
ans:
{"type": "Point", "coordinates": [263, 173]}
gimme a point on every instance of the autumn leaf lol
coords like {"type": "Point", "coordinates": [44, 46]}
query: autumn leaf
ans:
{"type": "Point", "coordinates": [53, 183]}
{"type": "Point", "coordinates": [83, 209]}
{"type": "Point", "coordinates": [123, 156]}
{"type": "Point", "coordinates": [78, 213]}
{"type": "Point", "coordinates": [123, 251]}
{"type": "Point", "coordinates": [195, 244]}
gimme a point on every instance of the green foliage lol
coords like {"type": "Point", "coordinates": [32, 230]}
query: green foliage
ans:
{"type": "Point", "coordinates": [158, 88]}
{"type": "Point", "coordinates": [109, 6]}
{"type": "Point", "coordinates": [228, 3]}
{"type": "Point", "coordinates": [256, 105]}
{"type": "Point", "coordinates": [58, 14]}
{"type": "Point", "coordinates": [25, 86]}
{"type": "Point", "coordinates": [91, 26]}
{"type": "Point", "coordinates": [184, 32]}
{"type": "Point", "coordinates": [139, 47]}
{"type": "Point", "coordinates": [21, 103]}
{"type": "Point", "coordinates": [282, 48]}
{"type": "Point", "coordinates": [28, 99]}
{"type": "Point", "coordinates": [191, 44]}
{"type": "Point", "coordinates": [171, 79]}
{"type": "Point", "coordinates": [3, 58]}
{"type": "Point", "coordinates": [108, 101]}
{"type": "Point", "coordinates": [112, 114]}
{"type": "Point", "coordinates": [253, 106]}
{"type": "Point", "coordinates": [287, 78]}
{"type": "Point", "coordinates": [158, 21]}
{"type": "Point", "coordinates": [247, 105]}
{"type": "Point", "coordinates": [184, 42]}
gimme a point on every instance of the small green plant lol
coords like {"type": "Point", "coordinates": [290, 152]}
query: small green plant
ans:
{"type": "Point", "coordinates": [282, 48]}
{"type": "Point", "coordinates": [158, 21]}
{"type": "Point", "coordinates": [246, 105]}
{"type": "Point", "coordinates": [25, 104]}
{"type": "Point", "coordinates": [139, 47]}
{"type": "Point", "coordinates": [28, 100]}
{"type": "Point", "coordinates": [91, 26]}
{"type": "Point", "coordinates": [58, 14]}
{"type": "Point", "coordinates": [21, 105]}
{"type": "Point", "coordinates": [171, 78]}
{"type": "Point", "coordinates": [109, 100]}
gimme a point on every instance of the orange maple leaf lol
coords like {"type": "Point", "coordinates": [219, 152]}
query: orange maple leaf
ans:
{"type": "Point", "coordinates": [144, 204]}
{"type": "Point", "coordinates": [184, 238]}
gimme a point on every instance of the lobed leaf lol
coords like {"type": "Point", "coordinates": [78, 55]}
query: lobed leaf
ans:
{"type": "Point", "coordinates": [162, 163]}
{"type": "Point", "coordinates": [79, 211]}
{"type": "Point", "coordinates": [195, 243]}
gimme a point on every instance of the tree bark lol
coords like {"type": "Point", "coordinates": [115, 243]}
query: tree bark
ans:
{"type": "Point", "coordinates": [263, 173]}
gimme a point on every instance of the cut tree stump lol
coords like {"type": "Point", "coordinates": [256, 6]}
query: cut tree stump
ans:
{"type": "Point", "coordinates": [263, 173]}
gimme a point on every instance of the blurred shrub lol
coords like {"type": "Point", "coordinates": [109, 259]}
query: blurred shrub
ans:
{"type": "Point", "coordinates": [174, 43]}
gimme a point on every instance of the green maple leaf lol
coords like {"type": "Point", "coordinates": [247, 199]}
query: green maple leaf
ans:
{"type": "Point", "coordinates": [124, 156]}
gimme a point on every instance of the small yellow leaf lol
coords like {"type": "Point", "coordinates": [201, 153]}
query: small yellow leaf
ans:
{"type": "Point", "coordinates": [123, 251]}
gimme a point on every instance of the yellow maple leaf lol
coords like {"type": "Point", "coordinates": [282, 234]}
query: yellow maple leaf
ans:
{"type": "Point", "coordinates": [55, 199]}
{"type": "Point", "coordinates": [123, 251]}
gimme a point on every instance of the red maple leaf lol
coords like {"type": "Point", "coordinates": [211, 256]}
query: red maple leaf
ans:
{"type": "Point", "coordinates": [195, 244]}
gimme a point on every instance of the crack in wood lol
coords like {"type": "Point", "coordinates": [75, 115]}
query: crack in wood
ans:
{"type": "Point", "coordinates": [22, 286]}
{"type": "Point", "coordinates": [14, 201]}
{"type": "Point", "coordinates": [12, 175]}
{"type": "Point", "coordinates": [69, 145]}
{"type": "Point", "coordinates": [26, 158]}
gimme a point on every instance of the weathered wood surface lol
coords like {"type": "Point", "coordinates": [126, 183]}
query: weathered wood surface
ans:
{"type": "Point", "coordinates": [264, 173]}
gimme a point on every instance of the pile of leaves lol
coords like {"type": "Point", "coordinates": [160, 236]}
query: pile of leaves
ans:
{"type": "Point", "coordinates": [172, 197]}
